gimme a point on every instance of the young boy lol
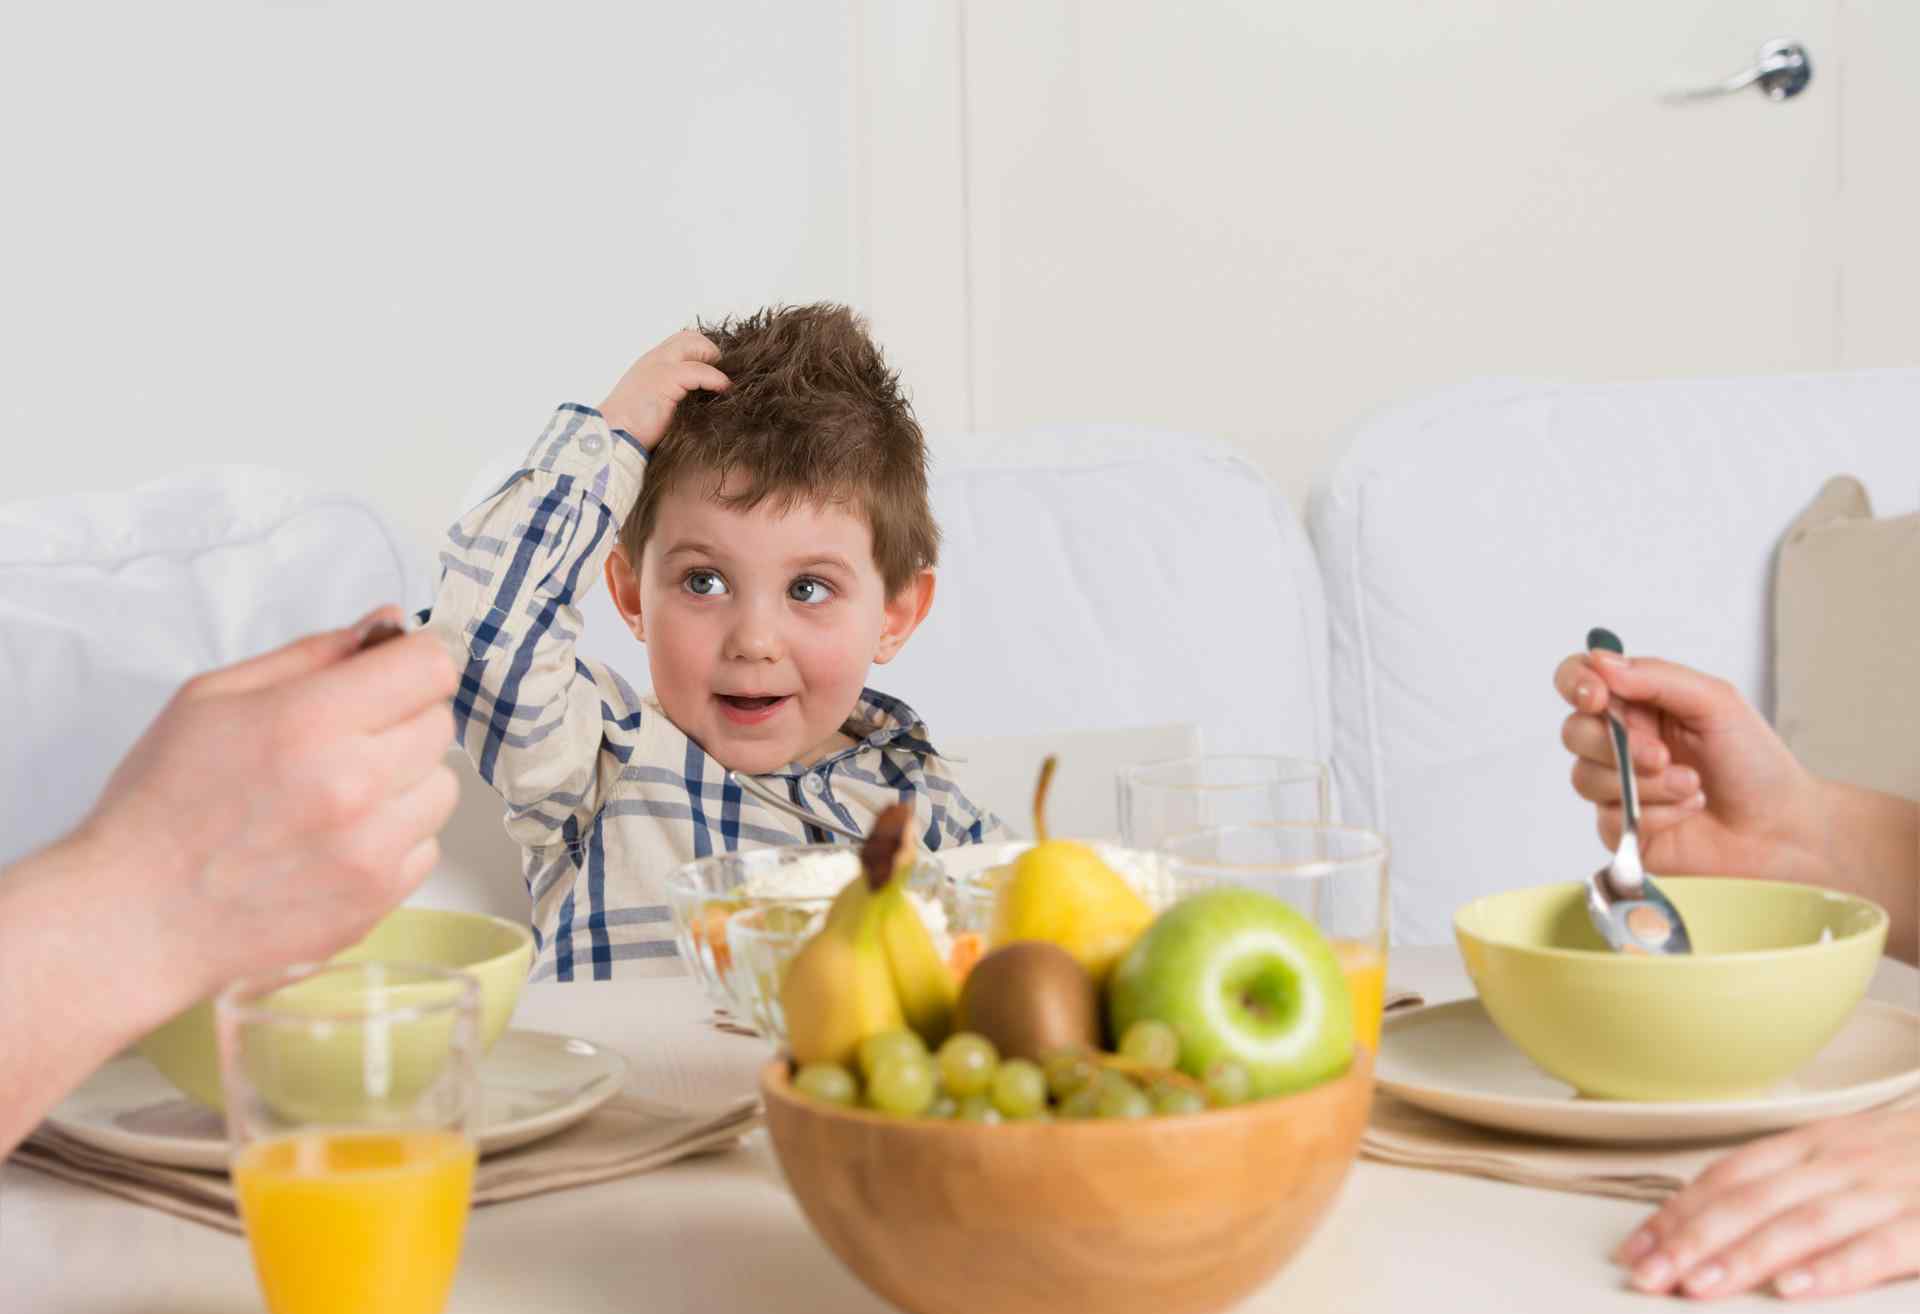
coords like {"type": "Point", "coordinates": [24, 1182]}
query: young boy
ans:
{"type": "Point", "coordinates": [757, 498]}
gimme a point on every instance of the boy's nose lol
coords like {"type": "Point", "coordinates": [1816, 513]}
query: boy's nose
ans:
{"type": "Point", "coordinates": [753, 638]}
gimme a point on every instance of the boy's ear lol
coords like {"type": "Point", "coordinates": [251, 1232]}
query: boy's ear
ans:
{"type": "Point", "coordinates": [905, 610]}
{"type": "Point", "coordinates": [623, 583]}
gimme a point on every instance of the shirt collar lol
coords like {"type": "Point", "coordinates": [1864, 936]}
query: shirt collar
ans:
{"type": "Point", "coordinates": [878, 721]}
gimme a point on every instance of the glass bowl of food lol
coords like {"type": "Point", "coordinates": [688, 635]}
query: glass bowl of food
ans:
{"type": "Point", "coordinates": [704, 893]}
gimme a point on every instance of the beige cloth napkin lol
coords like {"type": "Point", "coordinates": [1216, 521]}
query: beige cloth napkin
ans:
{"type": "Point", "coordinates": [1399, 1133]}
{"type": "Point", "coordinates": [627, 1135]}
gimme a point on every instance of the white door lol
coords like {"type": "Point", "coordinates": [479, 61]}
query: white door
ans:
{"type": "Point", "coordinates": [1263, 220]}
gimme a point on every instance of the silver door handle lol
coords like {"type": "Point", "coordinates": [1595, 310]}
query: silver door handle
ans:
{"type": "Point", "coordinates": [1782, 71]}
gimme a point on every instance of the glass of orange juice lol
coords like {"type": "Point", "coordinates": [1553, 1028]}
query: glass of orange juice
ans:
{"type": "Point", "coordinates": [350, 1093]}
{"type": "Point", "coordinates": [1159, 800]}
{"type": "Point", "coordinates": [1335, 875]}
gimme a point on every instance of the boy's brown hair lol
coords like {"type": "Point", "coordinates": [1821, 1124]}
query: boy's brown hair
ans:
{"type": "Point", "coordinates": [813, 415]}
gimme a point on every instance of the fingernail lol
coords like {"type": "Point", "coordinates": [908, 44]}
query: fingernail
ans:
{"type": "Point", "coordinates": [1654, 1275]}
{"type": "Point", "coordinates": [1611, 660]}
{"type": "Point", "coordinates": [1705, 1279]}
{"type": "Point", "coordinates": [1697, 802]}
{"type": "Point", "coordinates": [1793, 1282]}
{"type": "Point", "coordinates": [1688, 779]}
{"type": "Point", "coordinates": [1634, 1247]}
{"type": "Point", "coordinates": [1582, 692]}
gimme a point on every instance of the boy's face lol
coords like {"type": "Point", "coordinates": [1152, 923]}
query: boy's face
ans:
{"type": "Point", "coordinates": [760, 626]}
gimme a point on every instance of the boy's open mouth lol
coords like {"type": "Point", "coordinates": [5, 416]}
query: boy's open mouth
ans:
{"type": "Point", "coordinates": [747, 709]}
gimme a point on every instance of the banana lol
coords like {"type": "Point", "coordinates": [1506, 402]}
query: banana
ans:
{"type": "Point", "coordinates": [872, 967]}
{"type": "Point", "coordinates": [921, 978]}
{"type": "Point", "coordinates": [837, 991]}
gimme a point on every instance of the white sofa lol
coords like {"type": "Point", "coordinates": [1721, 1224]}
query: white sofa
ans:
{"type": "Point", "coordinates": [1119, 593]}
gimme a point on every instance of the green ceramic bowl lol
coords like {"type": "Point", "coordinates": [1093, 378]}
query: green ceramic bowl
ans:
{"type": "Point", "coordinates": [1776, 970]}
{"type": "Point", "coordinates": [497, 952]}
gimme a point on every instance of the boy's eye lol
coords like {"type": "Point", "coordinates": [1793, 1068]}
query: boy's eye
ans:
{"type": "Point", "coordinates": [705, 584]}
{"type": "Point", "coordinates": [809, 590]}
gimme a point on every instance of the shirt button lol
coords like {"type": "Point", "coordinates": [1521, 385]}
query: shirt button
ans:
{"type": "Point", "coordinates": [816, 783]}
{"type": "Point", "coordinates": [591, 444]}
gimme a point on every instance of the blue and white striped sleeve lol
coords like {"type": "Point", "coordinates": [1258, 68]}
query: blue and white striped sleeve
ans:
{"type": "Point", "coordinates": [513, 571]}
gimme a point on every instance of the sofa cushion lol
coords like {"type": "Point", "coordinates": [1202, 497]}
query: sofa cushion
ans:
{"type": "Point", "coordinates": [108, 601]}
{"type": "Point", "coordinates": [1847, 641]}
{"type": "Point", "coordinates": [1469, 541]}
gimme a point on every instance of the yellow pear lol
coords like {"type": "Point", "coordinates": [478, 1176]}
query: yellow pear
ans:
{"type": "Point", "coordinates": [1060, 891]}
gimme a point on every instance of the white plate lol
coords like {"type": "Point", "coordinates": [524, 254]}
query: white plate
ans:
{"type": "Point", "coordinates": [533, 1084]}
{"type": "Point", "coordinates": [1451, 1059]}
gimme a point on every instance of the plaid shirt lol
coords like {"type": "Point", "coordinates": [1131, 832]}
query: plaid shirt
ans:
{"type": "Point", "coordinates": [603, 792]}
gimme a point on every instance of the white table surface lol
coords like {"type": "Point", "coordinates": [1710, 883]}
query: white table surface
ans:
{"type": "Point", "coordinates": [722, 1233]}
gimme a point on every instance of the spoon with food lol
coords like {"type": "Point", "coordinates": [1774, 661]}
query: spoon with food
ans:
{"type": "Point", "coordinates": [1628, 909]}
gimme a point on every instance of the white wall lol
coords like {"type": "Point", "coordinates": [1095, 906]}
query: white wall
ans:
{"type": "Point", "coordinates": [376, 242]}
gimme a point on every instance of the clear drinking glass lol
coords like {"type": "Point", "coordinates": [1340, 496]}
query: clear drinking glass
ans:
{"type": "Point", "coordinates": [351, 1093]}
{"type": "Point", "coordinates": [1335, 875]}
{"type": "Point", "coordinates": [1160, 799]}
{"type": "Point", "coordinates": [761, 941]}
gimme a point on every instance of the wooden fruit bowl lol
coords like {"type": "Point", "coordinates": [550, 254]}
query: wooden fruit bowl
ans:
{"type": "Point", "coordinates": [1159, 1216]}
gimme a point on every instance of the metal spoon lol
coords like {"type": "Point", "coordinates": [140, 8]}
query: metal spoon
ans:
{"type": "Point", "coordinates": [1632, 912]}
{"type": "Point", "coordinates": [748, 785]}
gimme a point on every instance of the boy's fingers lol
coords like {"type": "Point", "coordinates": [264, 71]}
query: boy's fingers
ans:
{"type": "Point", "coordinates": [689, 344]}
{"type": "Point", "coordinates": [692, 375]}
{"type": "Point", "coordinates": [290, 661]}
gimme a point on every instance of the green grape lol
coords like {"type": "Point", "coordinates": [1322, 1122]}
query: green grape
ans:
{"type": "Point", "coordinates": [1172, 1101]}
{"type": "Point", "coordinates": [1123, 1101]}
{"type": "Point", "coordinates": [1153, 1043]}
{"type": "Point", "coordinates": [826, 1081]}
{"type": "Point", "coordinates": [902, 1086]}
{"type": "Point", "coordinates": [943, 1106]}
{"type": "Point", "coordinates": [978, 1108]}
{"type": "Point", "coordinates": [1067, 1071]}
{"type": "Point", "coordinates": [884, 1045]}
{"type": "Point", "coordinates": [1083, 1103]}
{"type": "Point", "coordinates": [967, 1062]}
{"type": "Point", "coordinates": [1019, 1088]}
{"type": "Point", "coordinates": [1228, 1083]}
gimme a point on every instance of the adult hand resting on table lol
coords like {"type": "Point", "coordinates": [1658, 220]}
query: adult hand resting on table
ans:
{"type": "Point", "coordinates": [274, 811]}
{"type": "Point", "coordinates": [1825, 1209]}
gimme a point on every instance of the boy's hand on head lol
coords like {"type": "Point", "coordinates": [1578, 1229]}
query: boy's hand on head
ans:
{"type": "Point", "coordinates": [642, 402]}
{"type": "Point", "coordinates": [1720, 793]}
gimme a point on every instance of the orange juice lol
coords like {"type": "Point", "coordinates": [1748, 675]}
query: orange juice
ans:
{"type": "Point", "coordinates": [1366, 968]}
{"type": "Point", "coordinates": [356, 1222]}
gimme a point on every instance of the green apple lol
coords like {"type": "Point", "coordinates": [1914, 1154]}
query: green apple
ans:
{"type": "Point", "coordinates": [1240, 975]}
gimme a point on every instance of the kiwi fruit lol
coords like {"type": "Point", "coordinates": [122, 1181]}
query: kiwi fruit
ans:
{"type": "Point", "coordinates": [1030, 998]}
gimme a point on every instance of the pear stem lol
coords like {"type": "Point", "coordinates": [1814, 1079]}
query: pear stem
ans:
{"type": "Point", "coordinates": [1040, 799]}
